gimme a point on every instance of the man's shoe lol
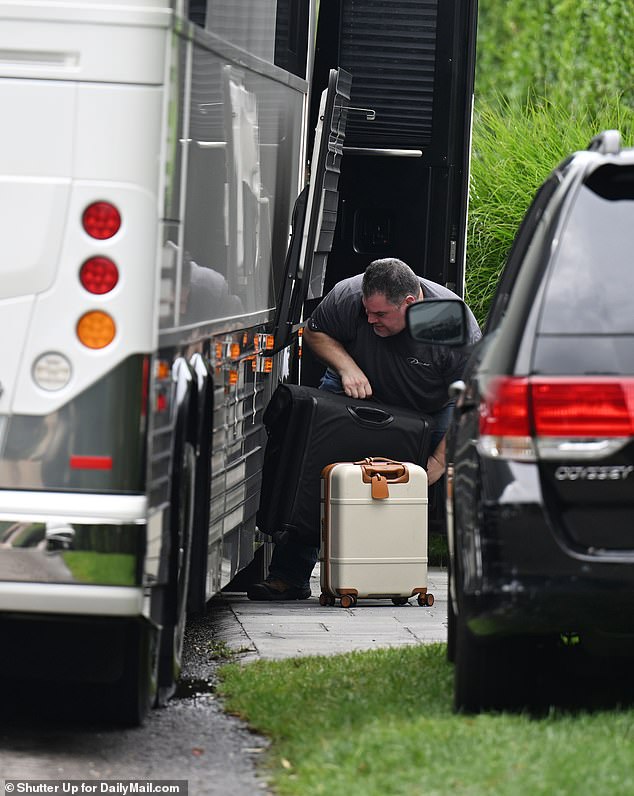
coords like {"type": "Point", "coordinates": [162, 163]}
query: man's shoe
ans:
{"type": "Point", "coordinates": [276, 589]}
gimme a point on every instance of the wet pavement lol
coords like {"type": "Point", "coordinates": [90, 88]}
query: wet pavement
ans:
{"type": "Point", "coordinates": [49, 732]}
{"type": "Point", "coordinates": [274, 630]}
{"type": "Point", "coordinates": [193, 738]}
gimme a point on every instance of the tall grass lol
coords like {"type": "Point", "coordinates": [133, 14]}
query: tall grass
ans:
{"type": "Point", "coordinates": [550, 75]}
{"type": "Point", "coordinates": [575, 52]}
{"type": "Point", "coordinates": [515, 146]}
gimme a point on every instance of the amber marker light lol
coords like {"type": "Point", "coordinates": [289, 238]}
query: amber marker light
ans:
{"type": "Point", "coordinates": [96, 329]}
{"type": "Point", "coordinates": [162, 369]}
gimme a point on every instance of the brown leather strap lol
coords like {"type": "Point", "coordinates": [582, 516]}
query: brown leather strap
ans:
{"type": "Point", "coordinates": [376, 460]}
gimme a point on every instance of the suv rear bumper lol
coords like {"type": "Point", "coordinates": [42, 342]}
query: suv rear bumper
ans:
{"type": "Point", "coordinates": [543, 606]}
{"type": "Point", "coordinates": [521, 577]}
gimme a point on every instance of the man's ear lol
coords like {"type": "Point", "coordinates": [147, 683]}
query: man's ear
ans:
{"type": "Point", "coordinates": [410, 300]}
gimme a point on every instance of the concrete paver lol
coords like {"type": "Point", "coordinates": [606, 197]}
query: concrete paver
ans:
{"type": "Point", "coordinates": [294, 629]}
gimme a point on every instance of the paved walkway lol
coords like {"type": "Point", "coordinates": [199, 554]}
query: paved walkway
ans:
{"type": "Point", "coordinates": [292, 629]}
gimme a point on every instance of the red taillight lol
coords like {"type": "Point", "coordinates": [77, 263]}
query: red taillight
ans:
{"type": "Point", "coordinates": [98, 275]}
{"type": "Point", "coordinates": [504, 408]}
{"type": "Point", "coordinates": [101, 220]}
{"type": "Point", "coordinates": [582, 407]}
{"type": "Point", "coordinates": [558, 407]}
{"type": "Point", "coordinates": [145, 385]}
{"type": "Point", "coordinates": [91, 462]}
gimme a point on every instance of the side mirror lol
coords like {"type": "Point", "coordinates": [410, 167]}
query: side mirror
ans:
{"type": "Point", "coordinates": [438, 322]}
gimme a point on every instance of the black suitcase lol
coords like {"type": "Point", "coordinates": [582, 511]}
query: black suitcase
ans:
{"type": "Point", "coordinates": [309, 428]}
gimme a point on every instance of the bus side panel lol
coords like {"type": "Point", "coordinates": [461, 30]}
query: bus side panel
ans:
{"type": "Point", "coordinates": [233, 174]}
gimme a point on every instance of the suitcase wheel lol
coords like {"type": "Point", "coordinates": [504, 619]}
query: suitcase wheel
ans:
{"type": "Point", "coordinates": [399, 600]}
{"type": "Point", "coordinates": [326, 599]}
{"type": "Point", "coordinates": [348, 600]}
{"type": "Point", "coordinates": [426, 600]}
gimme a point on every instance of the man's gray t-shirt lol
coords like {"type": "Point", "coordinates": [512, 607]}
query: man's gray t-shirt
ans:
{"type": "Point", "coordinates": [401, 371]}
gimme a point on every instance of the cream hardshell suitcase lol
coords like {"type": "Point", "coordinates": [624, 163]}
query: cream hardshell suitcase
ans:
{"type": "Point", "coordinates": [373, 532]}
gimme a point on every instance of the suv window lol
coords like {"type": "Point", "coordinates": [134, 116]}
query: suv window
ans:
{"type": "Point", "coordinates": [590, 288]}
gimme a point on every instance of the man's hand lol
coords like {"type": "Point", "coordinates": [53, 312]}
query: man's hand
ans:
{"type": "Point", "coordinates": [355, 383]}
{"type": "Point", "coordinates": [435, 470]}
{"type": "Point", "coordinates": [332, 352]}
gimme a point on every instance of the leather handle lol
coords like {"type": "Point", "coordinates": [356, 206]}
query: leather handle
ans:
{"type": "Point", "coordinates": [370, 416]}
{"type": "Point", "coordinates": [393, 473]}
{"type": "Point", "coordinates": [378, 460]}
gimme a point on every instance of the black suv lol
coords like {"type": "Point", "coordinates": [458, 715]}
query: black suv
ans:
{"type": "Point", "coordinates": [540, 481]}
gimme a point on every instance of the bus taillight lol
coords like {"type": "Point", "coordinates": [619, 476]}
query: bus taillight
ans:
{"type": "Point", "coordinates": [99, 275]}
{"type": "Point", "coordinates": [101, 220]}
{"type": "Point", "coordinates": [90, 462]}
{"type": "Point", "coordinates": [96, 329]}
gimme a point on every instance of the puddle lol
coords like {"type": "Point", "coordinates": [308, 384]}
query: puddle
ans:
{"type": "Point", "coordinates": [186, 689]}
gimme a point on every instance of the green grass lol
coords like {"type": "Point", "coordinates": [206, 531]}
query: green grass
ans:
{"type": "Point", "coordinates": [437, 550]}
{"type": "Point", "coordinates": [380, 724]}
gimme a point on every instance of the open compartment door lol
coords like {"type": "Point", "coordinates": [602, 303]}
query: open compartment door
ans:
{"type": "Point", "coordinates": [315, 213]}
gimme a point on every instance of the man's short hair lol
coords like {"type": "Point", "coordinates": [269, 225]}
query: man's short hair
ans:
{"type": "Point", "coordinates": [391, 277]}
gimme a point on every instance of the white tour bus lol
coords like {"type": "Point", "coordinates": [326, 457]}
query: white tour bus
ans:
{"type": "Point", "coordinates": [151, 291]}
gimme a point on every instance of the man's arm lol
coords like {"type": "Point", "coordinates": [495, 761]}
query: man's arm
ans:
{"type": "Point", "coordinates": [331, 351]}
{"type": "Point", "coordinates": [436, 463]}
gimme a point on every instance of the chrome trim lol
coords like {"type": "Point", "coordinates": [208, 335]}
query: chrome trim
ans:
{"type": "Point", "coordinates": [174, 335]}
{"type": "Point", "coordinates": [370, 113]}
{"type": "Point", "coordinates": [71, 599]}
{"type": "Point", "coordinates": [72, 507]}
{"type": "Point", "coordinates": [514, 448]}
{"type": "Point", "coordinates": [549, 448]}
{"type": "Point", "coordinates": [392, 153]}
{"type": "Point", "coordinates": [579, 449]}
{"type": "Point", "coordinates": [58, 551]}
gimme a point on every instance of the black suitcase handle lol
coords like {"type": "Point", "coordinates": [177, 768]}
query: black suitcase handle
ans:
{"type": "Point", "coordinates": [370, 416]}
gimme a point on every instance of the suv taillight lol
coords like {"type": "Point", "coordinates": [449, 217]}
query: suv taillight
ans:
{"type": "Point", "coordinates": [583, 407]}
{"type": "Point", "coordinates": [504, 420]}
{"type": "Point", "coordinates": [557, 416]}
